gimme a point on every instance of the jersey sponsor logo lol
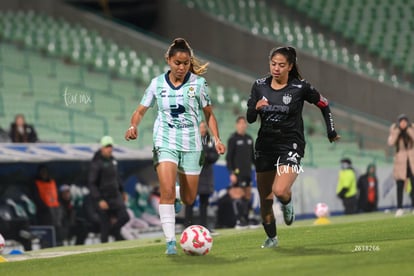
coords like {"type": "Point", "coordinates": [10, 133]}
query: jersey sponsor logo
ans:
{"type": "Point", "coordinates": [163, 94]}
{"type": "Point", "coordinates": [275, 113]}
{"type": "Point", "coordinates": [181, 125]}
{"type": "Point", "coordinates": [297, 85]}
{"type": "Point", "coordinates": [276, 108]}
{"type": "Point", "coordinates": [176, 110]}
{"type": "Point", "coordinates": [287, 98]}
{"type": "Point", "coordinates": [274, 118]}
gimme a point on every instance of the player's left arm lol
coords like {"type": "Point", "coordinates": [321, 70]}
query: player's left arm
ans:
{"type": "Point", "coordinates": [212, 125]}
{"type": "Point", "coordinates": [320, 101]}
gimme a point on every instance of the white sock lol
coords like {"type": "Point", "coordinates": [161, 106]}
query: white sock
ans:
{"type": "Point", "coordinates": [177, 191]}
{"type": "Point", "coordinates": [167, 217]}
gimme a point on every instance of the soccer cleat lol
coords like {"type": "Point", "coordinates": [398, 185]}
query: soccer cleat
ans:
{"type": "Point", "coordinates": [241, 224]}
{"type": "Point", "coordinates": [270, 243]}
{"type": "Point", "coordinates": [288, 213]}
{"type": "Point", "coordinates": [171, 248]}
{"type": "Point", "coordinates": [399, 212]}
{"type": "Point", "coordinates": [178, 205]}
{"type": "Point", "coordinates": [254, 223]}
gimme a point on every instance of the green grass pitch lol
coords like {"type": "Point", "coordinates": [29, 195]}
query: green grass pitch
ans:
{"type": "Point", "coordinates": [368, 244]}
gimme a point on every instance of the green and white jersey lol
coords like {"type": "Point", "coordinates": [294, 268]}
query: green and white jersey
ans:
{"type": "Point", "coordinates": [179, 111]}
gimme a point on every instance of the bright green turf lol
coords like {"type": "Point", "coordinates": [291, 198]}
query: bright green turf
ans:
{"type": "Point", "coordinates": [385, 244]}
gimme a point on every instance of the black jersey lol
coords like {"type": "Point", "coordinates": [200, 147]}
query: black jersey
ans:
{"type": "Point", "coordinates": [240, 154]}
{"type": "Point", "coordinates": [281, 121]}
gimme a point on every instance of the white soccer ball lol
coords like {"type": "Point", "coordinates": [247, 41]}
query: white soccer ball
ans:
{"type": "Point", "coordinates": [2, 243]}
{"type": "Point", "coordinates": [196, 240]}
{"type": "Point", "coordinates": [321, 210]}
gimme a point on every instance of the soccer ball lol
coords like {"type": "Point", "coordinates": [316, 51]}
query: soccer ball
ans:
{"type": "Point", "coordinates": [321, 210]}
{"type": "Point", "coordinates": [196, 240]}
{"type": "Point", "coordinates": [2, 243]}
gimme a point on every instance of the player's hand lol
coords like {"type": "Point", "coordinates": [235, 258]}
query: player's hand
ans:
{"type": "Point", "coordinates": [131, 133]}
{"type": "Point", "coordinates": [333, 137]}
{"type": "Point", "coordinates": [261, 103]}
{"type": "Point", "coordinates": [220, 148]}
{"type": "Point", "coordinates": [103, 205]}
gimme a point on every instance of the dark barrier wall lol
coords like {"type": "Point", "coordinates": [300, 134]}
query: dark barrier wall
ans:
{"type": "Point", "coordinates": [248, 51]}
{"type": "Point", "coordinates": [18, 177]}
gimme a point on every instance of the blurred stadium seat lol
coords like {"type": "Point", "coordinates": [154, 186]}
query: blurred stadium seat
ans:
{"type": "Point", "coordinates": [375, 25]}
{"type": "Point", "coordinates": [383, 27]}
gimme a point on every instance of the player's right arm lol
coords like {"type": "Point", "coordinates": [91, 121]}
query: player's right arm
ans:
{"type": "Point", "coordinates": [136, 118]}
{"type": "Point", "coordinates": [254, 104]}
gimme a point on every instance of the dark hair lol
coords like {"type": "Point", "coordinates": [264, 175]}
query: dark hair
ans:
{"type": "Point", "coordinates": [181, 45]}
{"type": "Point", "coordinates": [402, 117]}
{"type": "Point", "coordinates": [290, 54]}
{"type": "Point", "coordinates": [43, 172]}
{"type": "Point", "coordinates": [346, 160]}
{"type": "Point", "coordinates": [407, 140]}
{"type": "Point", "coordinates": [19, 115]}
{"type": "Point", "coordinates": [239, 118]}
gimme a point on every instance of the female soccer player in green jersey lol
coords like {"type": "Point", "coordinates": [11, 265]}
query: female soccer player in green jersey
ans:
{"type": "Point", "coordinates": [181, 95]}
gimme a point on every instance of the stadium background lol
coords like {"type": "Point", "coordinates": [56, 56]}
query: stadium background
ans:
{"type": "Point", "coordinates": [78, 68]}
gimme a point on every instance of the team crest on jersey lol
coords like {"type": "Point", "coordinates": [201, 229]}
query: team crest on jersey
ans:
{"type": "Point", "coordinates": [191, 92]}
{"type": "Point", "coordinates": [287, 98]}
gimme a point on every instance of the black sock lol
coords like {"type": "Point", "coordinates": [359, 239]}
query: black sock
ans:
{"type": "Point", "coordinates": [285, 202]}
{"type": "Point", "coordinates": [270, 229]}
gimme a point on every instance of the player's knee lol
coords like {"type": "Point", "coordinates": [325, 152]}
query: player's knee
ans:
{"type": "Point", "coordinates": [167, 196]}
{"type": "Point", "coordinates": [188, 199]}
{"type": "Point", "coordinates": [280, 192]}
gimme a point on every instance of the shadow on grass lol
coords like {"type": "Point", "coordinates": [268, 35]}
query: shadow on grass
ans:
{"type": "Point", "coordinates": [306, 251]}
{"type": "Point", "coordinates": [207, 260]}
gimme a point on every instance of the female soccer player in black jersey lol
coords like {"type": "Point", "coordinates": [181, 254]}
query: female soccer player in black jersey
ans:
{"type": "Point", "coordinates": [278, 99]}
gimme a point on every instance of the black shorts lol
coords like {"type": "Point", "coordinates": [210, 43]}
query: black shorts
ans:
{"type": "Point", "coordinates": [268, 161]}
